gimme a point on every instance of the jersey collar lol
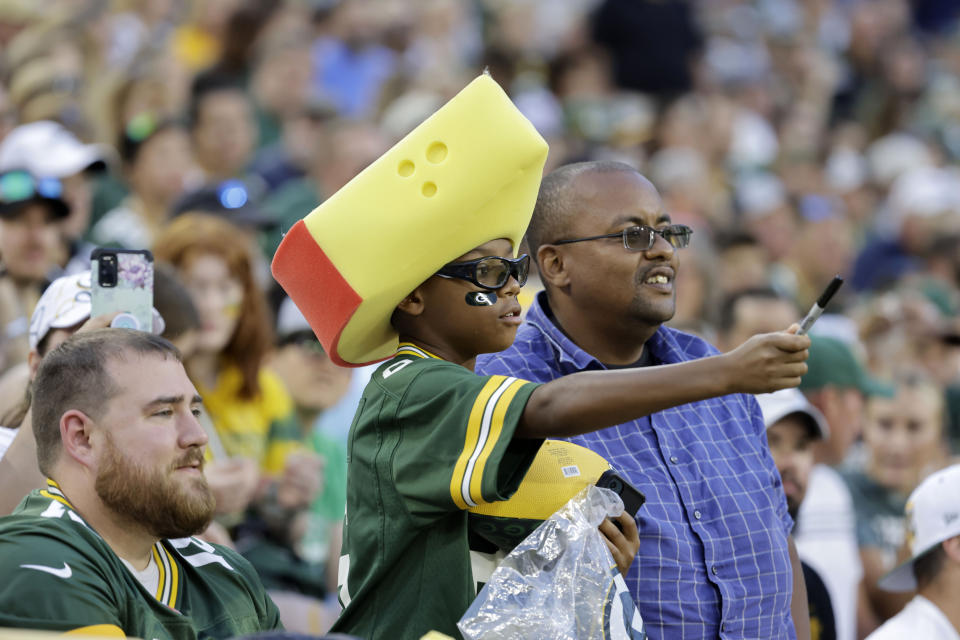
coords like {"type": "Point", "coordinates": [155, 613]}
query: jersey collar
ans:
{"type": "Point", "coordinates": [410, 349]}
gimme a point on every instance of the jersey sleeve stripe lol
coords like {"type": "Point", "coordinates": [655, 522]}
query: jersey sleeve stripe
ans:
{"type": "Point", "coordinates": [459, 482]}
{"type": "Point", "coordinates": [484, 436]}
{"type": "Point", "coordinates": [499, 406]}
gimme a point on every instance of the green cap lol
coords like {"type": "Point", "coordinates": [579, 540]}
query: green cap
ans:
{"type": "Point", "coordinates": [833, 364]}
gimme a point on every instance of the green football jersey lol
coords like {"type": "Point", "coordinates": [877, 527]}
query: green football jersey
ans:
{"type": "Point", "coordinates": [59, 574]}
{"type": "Point", "coordinates": [430, 439]}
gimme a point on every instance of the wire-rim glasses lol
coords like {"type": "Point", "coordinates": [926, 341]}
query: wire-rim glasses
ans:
{"type": "Point", "coordinates": [489, 272]}
{"type": "Point", "coordinates": [642, 238]}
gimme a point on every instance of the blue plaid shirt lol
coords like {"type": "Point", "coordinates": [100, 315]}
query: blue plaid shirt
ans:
{"type": "Point", "coordinates": [713, 560]}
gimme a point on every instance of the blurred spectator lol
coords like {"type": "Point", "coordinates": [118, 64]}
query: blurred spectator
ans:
{"type": "Point", "coordinates": [158, 167]}
{"type": "Point", "coordinates": [752, 311]}
{"type": "Point", "coordinates": [822, 248]}
{"type": "Point", "coordinates": [48, 150]}
{"type": "Point", "coordinates": [933, 569]}
{"type": "Point", "coordinates": [793, 424]}
{"type": "Point", "coordinates": [350, 63]}
{"type": "Point", "coordinates": [251, 412]}
{"type": "Point", "coordinates": [30, 209]}
{"type": "Point", "coordinates": [654, 45]}
{"type": "Point", "coordinates": [222, 127]}
{"type": "Point", "coordinates": [904, 442]}
{"type": "Point", "coordinates": [741, 263]}
{"type": "Point", "coordinates": [343, 149]}
{"type": "Point", "coordinates": [836, 384]}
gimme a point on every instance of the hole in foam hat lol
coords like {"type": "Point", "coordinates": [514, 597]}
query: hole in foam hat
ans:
{"type": "Point", "coordinates": [406, 168]}
{"type": "Point", "coordinates": [429, 189]}
{"type": "Point", "coordinates": [437, 152]}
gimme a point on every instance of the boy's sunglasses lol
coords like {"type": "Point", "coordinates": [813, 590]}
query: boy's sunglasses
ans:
{"type": "Point", "coordinates": [490, 272]}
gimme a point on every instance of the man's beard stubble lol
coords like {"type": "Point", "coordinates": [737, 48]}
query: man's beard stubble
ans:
{"type": "Point", "coordinates": [152, 499]}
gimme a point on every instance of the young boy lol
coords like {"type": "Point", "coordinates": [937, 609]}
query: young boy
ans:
{"type": "Point", "coordinates": [431, 438]}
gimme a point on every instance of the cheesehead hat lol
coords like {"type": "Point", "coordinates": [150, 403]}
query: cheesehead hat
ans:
{"type": "Point", "coordinates": [559, 471]}
{"type": "Point", "coordinates": [467, 175]}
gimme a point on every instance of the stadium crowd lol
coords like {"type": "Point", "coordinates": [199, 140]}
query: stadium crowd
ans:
{"type": "Point", "coordinates": [797, 139]}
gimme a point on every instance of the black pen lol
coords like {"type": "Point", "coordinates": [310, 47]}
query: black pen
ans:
{"type": "Point", "coordinates": [817, 309]}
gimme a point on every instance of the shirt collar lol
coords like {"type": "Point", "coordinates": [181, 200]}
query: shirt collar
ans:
{"type": "Point", "coordinates": [410, 349]}
{"type": "Point", "coordinates": [659, 344]}
{"type": "Point", "coordinates": [567, 350]}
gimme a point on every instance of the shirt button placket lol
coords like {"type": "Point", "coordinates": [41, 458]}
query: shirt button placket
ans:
{"type": "Point", "coordinates": [674, 459]}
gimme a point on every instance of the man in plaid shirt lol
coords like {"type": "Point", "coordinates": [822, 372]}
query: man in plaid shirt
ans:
{"type": "Point", "coordinates": [716, 559]}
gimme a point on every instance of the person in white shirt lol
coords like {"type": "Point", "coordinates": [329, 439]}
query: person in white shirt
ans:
{"type": "Point", "coordinates": [933, 512]}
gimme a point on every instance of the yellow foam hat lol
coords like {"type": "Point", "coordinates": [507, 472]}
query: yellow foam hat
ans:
{"type": "Point", "coordinates": [467, 175]}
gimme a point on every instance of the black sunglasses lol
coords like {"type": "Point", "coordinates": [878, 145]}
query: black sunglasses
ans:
{"type": "Point", "coordinates": [642, 238]}
{"type": "Point", "coordinates": [489, 272]}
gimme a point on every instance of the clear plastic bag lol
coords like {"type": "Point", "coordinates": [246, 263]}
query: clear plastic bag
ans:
{"type": "Point", "coordinates": [560, 583]}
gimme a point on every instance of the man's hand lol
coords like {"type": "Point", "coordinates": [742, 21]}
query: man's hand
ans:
{"type": "Point", "coordinates": [233, 483]}
{"type": "Point", "coordinates": [624, 544]}
{"type": "Point", "coordinates": [768, 362]}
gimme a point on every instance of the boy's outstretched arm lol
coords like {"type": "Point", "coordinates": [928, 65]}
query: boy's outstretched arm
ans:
{"type": "Point", "coordinates": [592, 400]}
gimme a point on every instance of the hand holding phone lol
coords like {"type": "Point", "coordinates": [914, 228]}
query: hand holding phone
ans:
{"type": "Point", "coordinates": [122, 281]}
{"type": "Point", "coordinates": [632, 498]}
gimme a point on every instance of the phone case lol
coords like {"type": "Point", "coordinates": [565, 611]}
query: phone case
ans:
{"type": "Point", "coordinates": [132, 294]}
{"type": "Point", "coordinates": [632, 498]}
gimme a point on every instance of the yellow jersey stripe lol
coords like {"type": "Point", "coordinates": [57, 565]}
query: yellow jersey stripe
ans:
{"type": "Point", "coordinates": [162, 579]}
{"type": "Point", "coordinates": [54, 492]}
{"type": "Point", "coordinates": [98, 630]}
{"type": "Point", "coordinates": [497, 413]}
{"type": "Point", "coordinates": [409, 348]}
{"type": "Point", "coordinates": [47, 494]}
{"type": "Point", "coordinates": [174, 578]}
{"type": "Point", "coordinates": [459, 482]}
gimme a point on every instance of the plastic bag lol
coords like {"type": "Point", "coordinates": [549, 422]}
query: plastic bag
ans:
{"type": "Point", "coordinates": [560, 583]}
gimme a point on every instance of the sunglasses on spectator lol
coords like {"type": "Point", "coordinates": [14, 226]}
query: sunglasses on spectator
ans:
{"type": "Point", "coordinates": [642, 238]}
{"type": "Point", "coordinates": [489, 272]}
{"type": "Point", "coordinates": [17, 186]}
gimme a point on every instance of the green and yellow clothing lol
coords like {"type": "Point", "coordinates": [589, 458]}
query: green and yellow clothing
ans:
{"type": "Point", "coordinates": [430, 438]}
{"type": "Point", "coordinates": [263, 428]}
{"type": "Point", "coordinates": [60, 575]}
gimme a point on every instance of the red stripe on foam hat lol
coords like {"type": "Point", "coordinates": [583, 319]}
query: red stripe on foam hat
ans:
{"type": "Point", "coordinates": [314, 283]}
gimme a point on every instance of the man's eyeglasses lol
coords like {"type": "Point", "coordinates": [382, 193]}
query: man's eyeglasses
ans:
{"type": "Point", "coordinates": [642, 238]}
{"type": "Point", "coordinates": [490, 272]}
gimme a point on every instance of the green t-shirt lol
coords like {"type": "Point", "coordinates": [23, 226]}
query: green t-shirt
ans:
{"type": "Point", "coordinates": [430, 438]}
{"type": "Point", "coordinates": [879, 515]}
{"type": "Point", "coordinates": [59, 574]}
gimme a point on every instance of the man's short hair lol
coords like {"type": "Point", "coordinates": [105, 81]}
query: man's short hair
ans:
{"type": "Point", "coordinates": [552, 212]}
{"type": "Point", "coordinates": [74, 376]}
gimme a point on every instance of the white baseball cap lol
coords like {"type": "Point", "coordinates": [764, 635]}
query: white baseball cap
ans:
{"type": "Point", "coordinates": [780, 404]}
{"type": "Point", "coordinates": [64, 304]}
{"type": "Point", "coordinates": [48, 149]}
{"type": "Point", "coordinates": [933, 515]}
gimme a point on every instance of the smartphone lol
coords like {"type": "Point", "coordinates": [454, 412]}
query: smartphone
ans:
{"type": "Point", "coordinates": [631, 496]}
{"type": "Point", "coordinates": [122, 280]}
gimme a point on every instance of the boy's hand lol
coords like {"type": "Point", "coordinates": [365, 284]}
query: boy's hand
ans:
{"type": "Point", "coordinates": [768, 362]}
{"type": "Point", "coordinates": [624, 544]}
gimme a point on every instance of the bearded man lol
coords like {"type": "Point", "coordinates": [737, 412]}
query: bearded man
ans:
{"type": "Point", "coordinates": [105, 547]}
